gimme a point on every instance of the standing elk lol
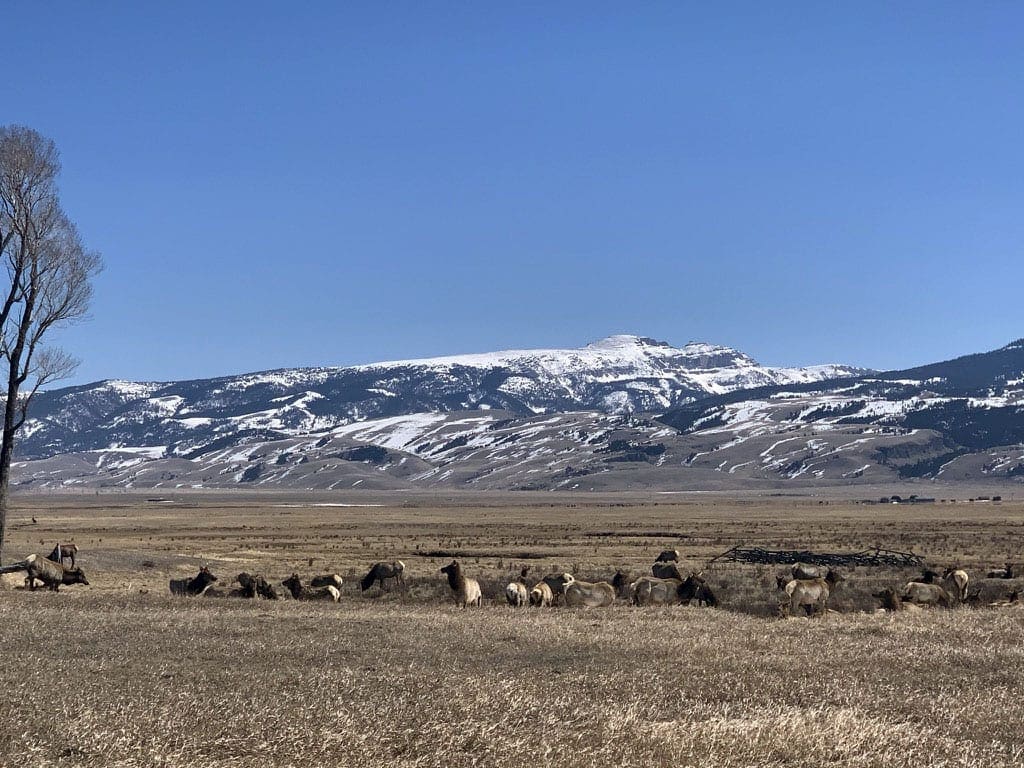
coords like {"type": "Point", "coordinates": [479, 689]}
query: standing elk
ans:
{"type": "Point", "coordinates": [516, 594]}
{"type": "Point", "coordinates": [811, 593]}
{"type": "Point", "coordinates": [53, 575]}
{"type": "Point", "coordinates": [62, 553]}
{"type": "Point", "coordinates": [381, 573]}
{"type": "Point", "coordinates": [956, 581]}
{"type": "Point", "coordinates": [556, 583]}
{"type": "Point", "coordinates": [541, 595]}
{"type": "Point", "coordinates": [466, 590]}
{"type": "Point", "coordinates": [705, 596]}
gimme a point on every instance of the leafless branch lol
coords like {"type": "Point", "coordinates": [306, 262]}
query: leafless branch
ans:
{"type": "Point", "coordinates": [49, 284]}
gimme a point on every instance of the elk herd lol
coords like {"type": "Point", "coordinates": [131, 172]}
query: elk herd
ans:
{"type": "Point", "coordinates": [803, 590]}
{"type": "Point", "coordinates": [323, 587]}
{"type": "Point", "coordinates": [808, 588]}
{"type": "Point", "coordinates": [665, 586]}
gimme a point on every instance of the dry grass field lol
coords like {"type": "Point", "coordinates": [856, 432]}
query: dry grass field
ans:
{"type": "Point", "coordinates": [120, 673]}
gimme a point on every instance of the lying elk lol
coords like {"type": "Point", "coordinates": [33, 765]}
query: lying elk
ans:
{"type": "Point", "coordinates": [649, 590]}
{"type": "Point", "coordinates": [255, 586]}
{"type": "Point", "coordinates": [928, 576]}
{"type": "Point", "coordinates": [586, 594]}
{"type": "Point", "coordinates": [926, 594]}
{"type": "Point", "coordinates": [327, 580]}
{"type": "Point", "coordinates": [52, 574]}
{"type": "Point", "coordinates": [197, 585]}
{"type": "Point", "coordinates": [666, 571]}
{"type": "Point", "coordinates": [299, 591]}
{"type": "Point", "coordinates": [805, 572]}
{"type": "Point", "coordinates": [889, 599]}
{"type": "Point", "coordinates": [1006, 572]}
{"type": "Point", "coordinates": [1012, 600]}
{"type": "Point", "coordinates": [620, 583]}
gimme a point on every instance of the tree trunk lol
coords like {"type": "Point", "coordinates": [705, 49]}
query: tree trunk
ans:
{"type": "Point", "coordinates": [6, 454]}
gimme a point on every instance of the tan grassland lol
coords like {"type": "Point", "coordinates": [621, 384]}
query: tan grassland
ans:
{"type": "Point", "coordinates": [121, 674]}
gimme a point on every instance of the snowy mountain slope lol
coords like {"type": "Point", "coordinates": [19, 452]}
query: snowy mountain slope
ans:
{"type": "Point", "coordinates": [620, 374]}
{"type": "Point", "coordinates": [547, 419]}
{"type": "Point", "coordinates": [482, 450]}
{"type": "Point", "coordinates": [951, 413]}
{"type": "Point", "coordinates": [758, 445]}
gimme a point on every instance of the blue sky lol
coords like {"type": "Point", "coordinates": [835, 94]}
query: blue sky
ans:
{"type": "Point", "coordinates": [284, 184]}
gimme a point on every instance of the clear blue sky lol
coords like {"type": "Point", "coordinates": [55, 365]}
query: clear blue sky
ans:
{"type": "Point", "coordinates": [286, 184]}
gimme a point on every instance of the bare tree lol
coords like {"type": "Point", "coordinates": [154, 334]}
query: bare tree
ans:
{"type": "Point", "coordinates": [48, 284]}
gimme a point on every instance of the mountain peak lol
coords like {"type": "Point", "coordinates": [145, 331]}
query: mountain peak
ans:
{"type": "Point", "coordinates": [627, 340]}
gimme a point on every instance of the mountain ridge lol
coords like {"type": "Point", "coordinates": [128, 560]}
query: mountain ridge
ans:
{"type": "Point", "coordinates": [622, 412]}
{"type": "Point", "coordinates": [619, 374]}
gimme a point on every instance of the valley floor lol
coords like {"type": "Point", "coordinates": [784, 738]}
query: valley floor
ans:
{"type": "Point", "coordinates": [120, 673]}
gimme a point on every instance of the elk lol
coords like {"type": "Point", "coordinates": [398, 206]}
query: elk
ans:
{"type": "Point", "coordinates": [301, 592]}
{"type": "Point", "coordinates": [380, 573]}
{"type": "Point", "coordinates": [466, 590]}
{"type": "Point", "coordinates": [587, 594]}
{"type": "Point", "coordinates": [63, 552]}
{"type": "Point", "coordinates": [197, 585]}
{"type": "Point", "coordinates": [811, 593]}
{"type": "Point", "coordinates": [956, 581]}
{"type": "Point", "coordinates": [52, 574]}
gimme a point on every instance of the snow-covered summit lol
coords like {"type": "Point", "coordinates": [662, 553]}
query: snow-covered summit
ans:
{"type": "Point", "coordinates": [548, 418]}
{"type": "Point", "coordinates": [621, 373]}
{"type": "Point", "coordinates": [622, 350]}
{"type": "Point", "coordinates": [617, 374]}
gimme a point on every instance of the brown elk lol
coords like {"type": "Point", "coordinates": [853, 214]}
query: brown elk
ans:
{"type": "Point", "coordinates": [197, 585]}
{"type": "Point", "coordinates": [466, 590]}
{"type": "Point", "coordinates": [52, 575]}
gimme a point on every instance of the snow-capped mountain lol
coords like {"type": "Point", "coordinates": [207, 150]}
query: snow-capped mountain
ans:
{"type": "Point", "coordinates": [593, 418]}
{"type": "Point", "coordinates": [958, 419]}
{"type": "Point", "coordinates": [620, 374]}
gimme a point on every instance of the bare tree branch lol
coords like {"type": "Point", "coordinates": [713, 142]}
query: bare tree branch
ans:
{"type": "Point", "coordinates": [49, 282]}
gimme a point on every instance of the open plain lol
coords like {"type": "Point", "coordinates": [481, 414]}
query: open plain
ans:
{"type": "Point", "coordinates": [120, 673]}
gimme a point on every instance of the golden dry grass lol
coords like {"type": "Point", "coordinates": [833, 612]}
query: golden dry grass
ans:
{"type": "Point", "coordinates": [105, 675]}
